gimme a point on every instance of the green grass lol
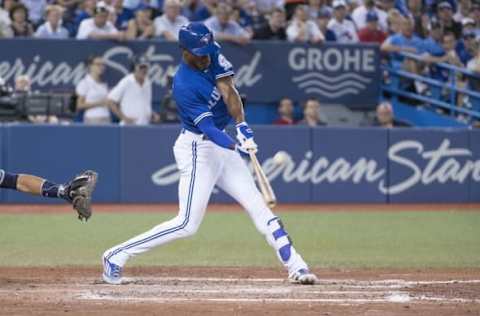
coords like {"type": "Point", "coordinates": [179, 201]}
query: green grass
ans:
{"type": "Point", "coordinates": [325, 239]}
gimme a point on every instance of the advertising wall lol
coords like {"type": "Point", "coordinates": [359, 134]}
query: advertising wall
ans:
{"type": "Point", "coordinates": [333, 165]}
{"type": "Point", "coordinates": [265, 72]}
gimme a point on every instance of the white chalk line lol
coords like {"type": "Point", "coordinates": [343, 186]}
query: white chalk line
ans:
{"type": "Point", "coordinates": [396, 282]}
{"type": "Point", "coordinates": [396, 298]}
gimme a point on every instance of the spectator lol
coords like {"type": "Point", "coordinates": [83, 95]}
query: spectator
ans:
{"type": "Point", "coordinates": [405, 41]}
{"type": "Point", "coordinates": [420, 19]}
{"type": "Point", "coordinates": [249, 17]}
{"type": "Point", "coordinates": [445, 17]}
{"type": "Point", "coordinates": [285, 111]}
{"type": "Point", "coordinates": [122, 16]}
{"type": "Point", "coordinates": [5, 8]}
{"type": "Point", "coordinates": [311, 114]}
{"type": "Point", "coordinates": [275, 29]}
{"type": "Point", "coordinates": [36, 9]}
{"type": "Point", "coordinates": [463, 10]}
{"type": "Point", "coordinates": [345, 31]}
{"type": "Point", "coordinates": [141, 26]}
{"type": "Point", "coordinates": [476, 17]}
{"type": "Point", "coordinates": [302, 30]}
{"type": "Point", "coordinates": [449, 44]}
{"type": "Point", "coordinates": [371, 33]}
{"type": "Point", "coordinates": [267, 6]}
{"type": "Point", "coordinates": [5, 22]}
{"type": "Point", "coordinates": [433, 43]}
{"type": "Point", "coordinates": [384, 117]}
{"type": "Point", "coordinates": [20, 26]}
{"type": "Point", "coordinates": [87, 10]}
{"type": "Point", "coordinates": [359, 15]}
{"type": "Point", "coordinates": [92, 93]}
{"type": "Point", "coordinates": [395, 21]}
{"type": "Point", "coordinates": [131, 99]}
{"type": "Point", "coordinates": [387, 5]}
{"type": "Point", "coordinates": [314, 8]}
{"type": "Point", "coordinates": [322, 21]}
{"type": "Point", "coordinates": [467, 47]}
{"type": "Point", "coordinates": [194, 10]}
{"type": "Point", "coordinates": [99, 27]}
{"type": "Point", "coordinates": [23, 84]}
{"type": "Point", "coordinates": [474, 82]}
{"type": "Point", "coordinates": [168, 25]}
{"type": "Point", "coordinates": [224, 29]}
{"type": "Point", "coordinates": [206, 11]}
{"type": "Point", "coordinates": [52, 28]}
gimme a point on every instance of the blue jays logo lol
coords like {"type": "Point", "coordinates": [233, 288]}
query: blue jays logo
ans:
{"type": "Point", "coordinates": [206, 39]}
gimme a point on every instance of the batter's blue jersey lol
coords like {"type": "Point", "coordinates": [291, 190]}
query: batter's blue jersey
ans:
{"type": "Point", "coordinates": [197, 96]}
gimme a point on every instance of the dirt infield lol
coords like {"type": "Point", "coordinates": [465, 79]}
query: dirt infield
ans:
{"type": "Point", "coordinates": [239, 291]}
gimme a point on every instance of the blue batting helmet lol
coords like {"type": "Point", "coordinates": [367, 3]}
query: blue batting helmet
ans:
{"type": "Point", "coordinates": [197, 39]}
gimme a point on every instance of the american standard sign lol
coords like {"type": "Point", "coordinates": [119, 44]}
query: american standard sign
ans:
{"type": "Point", "coordinates": [266, 72]}
{"type": "Point", "coordinates": [440, 166]}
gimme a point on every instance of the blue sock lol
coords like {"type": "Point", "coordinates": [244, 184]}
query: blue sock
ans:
{"type": "Point", "coordinates": [53, 190]}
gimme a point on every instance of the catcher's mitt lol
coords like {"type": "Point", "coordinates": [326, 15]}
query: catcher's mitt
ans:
{"type": "Point", "coordinates": [79, 193]}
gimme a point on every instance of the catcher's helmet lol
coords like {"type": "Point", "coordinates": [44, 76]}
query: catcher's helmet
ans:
{"type": "Point", "coordinates": [196, 38]}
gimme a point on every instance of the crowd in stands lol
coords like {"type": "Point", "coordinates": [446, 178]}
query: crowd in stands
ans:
{"type": "Point", "coordinates": [408, 25]}
{"type": "Point", "coordinates": [446, 31]}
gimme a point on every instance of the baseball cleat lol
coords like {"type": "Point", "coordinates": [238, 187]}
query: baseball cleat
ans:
{"type": "Point", "coordinates": [112, 273]}
{"type": "Point", "coordinates": [303, 276]}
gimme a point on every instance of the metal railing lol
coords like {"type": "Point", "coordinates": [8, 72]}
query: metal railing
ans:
{"type": "Point", "coordinates": [441, 95]}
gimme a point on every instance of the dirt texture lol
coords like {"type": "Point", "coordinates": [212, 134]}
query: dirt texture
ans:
{"type": "Point", "coordinates": [238, 291]}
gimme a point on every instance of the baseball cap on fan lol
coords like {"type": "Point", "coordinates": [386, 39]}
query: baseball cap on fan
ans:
{"type": "Point", "coordinates": [372, 16]}
{"type": "Point", "coordinates": [338, 4]}
{"type": "Point", "coordinates": [102, 7]}
{"type": "Point", "coordinates": [445, 5]}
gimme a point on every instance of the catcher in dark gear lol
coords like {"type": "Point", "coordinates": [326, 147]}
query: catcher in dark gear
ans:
{"type": "Point", "coordinates": [78, 191]}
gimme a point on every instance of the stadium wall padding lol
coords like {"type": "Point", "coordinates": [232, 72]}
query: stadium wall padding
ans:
{"type": "Point", "coordinates": [326, 165]}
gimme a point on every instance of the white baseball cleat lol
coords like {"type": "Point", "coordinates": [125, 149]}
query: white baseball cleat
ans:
{"type": "Point", "coordinates": [112, 273]}
{"type": "Point", "coordinates": [303, 276]}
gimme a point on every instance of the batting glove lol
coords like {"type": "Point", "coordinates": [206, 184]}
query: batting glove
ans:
{"type": "Point", "coordinates": [245, 137]}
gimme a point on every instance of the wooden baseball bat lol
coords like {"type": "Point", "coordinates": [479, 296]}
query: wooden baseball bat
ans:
{"type": "Point", "coordinates": [265, 187]}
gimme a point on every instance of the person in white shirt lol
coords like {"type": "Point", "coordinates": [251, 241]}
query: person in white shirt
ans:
{"type": "Point", "coordinates": [52, 28]}
{"type": "Point", "coordinates": [36, 8]}
{"type": "Point", "coordinates": [92, 93]}
{"type": "Point", "coordinates": [359, 15]}
{"type": "Point", "coordinates": [303, 30]}
{"type": "Point", "coordinates": [168, 25]}
{"type": "Point", "coordinates": [99, 27]}
{"type": "Point", "coordinates": [345, 30]}
{"type": "Point", "coordinates": [131, 99]}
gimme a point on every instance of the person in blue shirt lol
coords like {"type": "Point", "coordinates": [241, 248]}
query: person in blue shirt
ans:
{"type": "Point", "coordinates": [206, 157]}
{"type": "Point", "coordinates": [466, 47]}
{"type": "Point", "coordinates": [406, 42]}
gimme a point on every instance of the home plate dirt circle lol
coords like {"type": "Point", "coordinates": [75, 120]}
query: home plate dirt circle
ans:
{"type": "Point", "coordinates": [239, 291]}
{"type": "Point", "coordinates": [269, 290]}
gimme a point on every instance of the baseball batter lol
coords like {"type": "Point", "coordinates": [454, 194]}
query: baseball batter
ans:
{"type": "Point", "coordinates": [206, 157]}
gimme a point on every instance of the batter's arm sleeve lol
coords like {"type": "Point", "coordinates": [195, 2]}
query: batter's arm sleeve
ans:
{"type": "Point", "coordinates": [217, 136]}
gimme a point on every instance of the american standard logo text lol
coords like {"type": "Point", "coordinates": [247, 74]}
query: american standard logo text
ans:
{"type": "Point", "coordinates": [437, 166]}
{"type": "Point", "coordinates": [45, 72]}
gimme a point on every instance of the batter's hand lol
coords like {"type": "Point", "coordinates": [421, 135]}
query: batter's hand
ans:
{"type": "Point", "coordinates": [245, 138]}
